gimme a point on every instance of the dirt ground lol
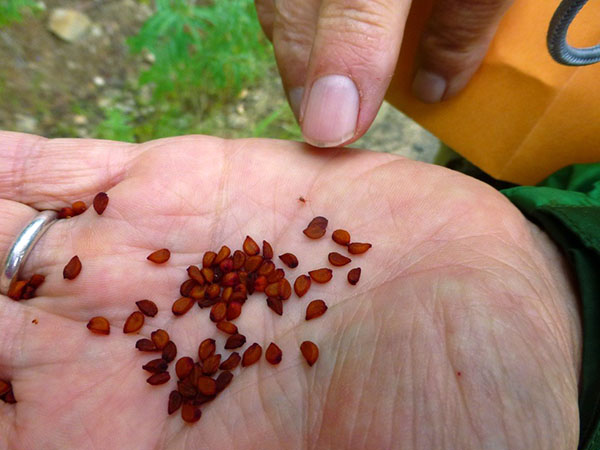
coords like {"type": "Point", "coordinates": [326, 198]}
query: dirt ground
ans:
{"type": "Point", "coordinates": [56, 88]}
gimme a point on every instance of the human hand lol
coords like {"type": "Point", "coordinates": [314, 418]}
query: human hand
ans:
{"type": "Point", "coordinates": [463, 331]}
{"type": "Point", "coordinates": [336, 58]}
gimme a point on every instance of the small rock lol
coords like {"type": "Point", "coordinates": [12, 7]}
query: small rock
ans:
{"type": "Point", "coordinates": [99, 81]}
{"type": "Point", "coordinates": [79, 119]}
{"type": "Point", "coordinates": [68, 24]}
{"type": "Point", "coordinates": [149, 57]}
{"type": "Point", "coordinates": [26, 124]}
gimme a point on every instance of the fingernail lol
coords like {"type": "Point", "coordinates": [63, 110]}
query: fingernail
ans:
{"type": "Point", "coordinates": [331, 111]}
{"type": "Point", "coordinates": [295, 98]}
{"type": "Point", "coordinates": [429, 87]}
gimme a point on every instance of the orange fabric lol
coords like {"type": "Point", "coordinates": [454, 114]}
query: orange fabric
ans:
{"type": "Point", "coordinates": [523, 116]}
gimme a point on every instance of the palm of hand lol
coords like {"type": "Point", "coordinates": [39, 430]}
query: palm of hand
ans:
{"type": "Point", "coordinates": [459, 334]}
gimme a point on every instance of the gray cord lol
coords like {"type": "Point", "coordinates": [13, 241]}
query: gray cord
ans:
{"type": "Point", "coordinates": [562, 52]}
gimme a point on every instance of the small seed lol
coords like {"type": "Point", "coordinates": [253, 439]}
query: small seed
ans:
{"type": "Point", "coordinates": [285, 289]}
{"type": "Point", "coordinates": [72, 268]}
{"type": "Point", "coordinates": [186, 287]}
{"type": "Point", "coordinates": [9, 397]}
{"type": "Point", "coordinates": [208, 259]}
{"type": "Point", "coordinates": [208, 302]}
{"type": "Point", "coordinates": [65, 213]}
{"type": "Point", "coordinates": [267, 250]}
{"type": "Point", "coordinates": [211, 364]}
{"type": "Point", "coordinates": [159, 378]}
{"type": "Point", "coordinates": [356, 248]}
{"type": "Point", "coordinates": [187, 389]}
{"type": "Point", "coordinates": [272, 290]}
{"type": "Point", "coordinates": [230, 279]}
{"type": "Point", "coordinates": [226, 265]}
{"type": "Point", "coordinates": [224, 252]}
{"type": "Point", "coordinates": [251, 355]}
{"type": "Point", "coordinates": [260, 283]}
{"type": "Point", "coordinates": [223, 380]}
{"type": "Point", "coordinates": [302, 285]}
{"type": "Point", "coordinates": [301, 199]}
{"type": "Point", "coordinates": [183, 367]}
{"type": "Point", "coordinates": [27, 292]}
{"type": "Point", "coordinates": [341, 237]}
{"type": "Point", "coordinates": [175, 401]}
{"type": "Point", "coordinates": [310, 352]}
{"type": "Point", "coordinates": [182, 305]}
{"type": "Point", "coordinates": [289, 259]}
{"type": "Point", "coordinates": [266, 268]}
{"type": "Point", "coordinates": [208, 274]}
{"type": "Point", "coordinates": [354, 276]}
{"type": "Point", "coordinates": [321, 275]}
{"type": "Point", "coordinates": [134, 322]}
{"type": "Point", "coordinates": [227, 292]}
{"type": "Point", "coordinates": [160, 338]}
{"type": "Point", "coordinates": [218, 312]}
{"type": "Point", "coordinates": [273, 354]}
{"type": "Point", "coordinates": [156, 366]}
{"type": "Point", "coordinates": [100, 202]}
{"type": "Point", "coordinates": [315, 309]}
{"type": "Point", "coordinates": [250, 246]}
{"type": "Point", "coordinates": [239, 259]}
{"type": "Point", "coordinates": [253, 263]}
{"type": "Point", "coordinates": [99, 325]}
{"type": "Point", "coordinates": [337, 259]}
{"type": "Point", "coordinates": [238, 297]}
{"type": "Point", "coordinates": [78, 207]}
{"type": "Point", "coordinates": [159, 256]}
{"type": "Point", "coordinates": [316, 228]}
{"type": "Point", "coordinates": [213, 290]}
{"type": "Point", "coordinates": [169, 353]}
{"type": "Point", "coordinates": [235, 341]}
{"type": "Point", "coordinates": [234, 309]}
{"type": "Point", "coordinates": [275, 276]}
{"type": "Point", "coordinates": [190, 413]}
{"type": "Point", "coordinates": [206, 349]}
{"type": "Point", "coordinates": [4, 387]}
{"type": "Point", "coordinates": [206, 386]}
{"type": "Point", "coordinates": [227, 327]}
{"type": "Point", "coordinates": [145, 345]}
{"type": "Point", "coordinates": [231, 362]}
{"type": "Point", "coordinates": [36, 280]}
{"type": "Point", "coordinates": [197, 292]}
{"type": "Point", "coordinates": [148, 307]}
{"type": "Point", "coordinates": [275, 304]}
{"type": "Point", "coordinates": [195, 274]}
{"type": "Point", "coordinates": [15, 291]}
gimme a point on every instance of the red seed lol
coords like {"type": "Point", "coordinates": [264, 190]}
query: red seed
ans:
{"type": "Point", "coordinates": [156, 366]}
{"type": "Point", "coordinates": [227, 292]}
{"type": "Point", "coordinates": [195, 274]}
{"type": "Point", "coordinates": [315, 309]}
{"type": "Point", "coordinates": [78, 207]}
{"type": "Point", "coordinates": [5, 386]}
{"type": "Point", "coordinates": [224, 252]}
{"type": "Point", "coordinates": [231, 362]}
{"type": "Point", "coordinates": [208, 274]}
{"type": "Point", "coordinates": [235, 341]}
{"type": "Point", "coordinates": [310, 352]}
{"type": "Point", "coordinates": [321, 275]}
{"type": "Point", "coordinates": [100, 202]}
{"type": "Point", "coordinates": [267, 250]}
{"type": "Point", "coordinates": [169, 353]}
{"type": "Point", "coordinates": [9, 397]}
{"type": "Point", "coordinates": [227, 327]}
{"type": "Point", "coordinates": [160, 338]}
{"type": "Point", "coordinates": [337, 259]}
{"type": "Point", "coordinates": [275, 276]}
{"type": "Point", "coordinates": [186, 388]}
{"type": "Point", "coordinates": [182, 305]}
{"type": "Point", "coordinates": [175, 401]}
{"type": "Point", "coordinates": [238, 297]}
{"type": "Point", "coordinates": [183, 367]}
{"type": "Point", "coordinates": [206, 386]}
{"type": "Point", "coordinates": [65, 213]}
{"type": "Point", "coordinates": [223, 380]}
{"type": "Point", "coordinates": [218, 312]}
{"type": "Point", "coordinates": [356, 248]}
{"type": "Point", "coordinates": [186, 287]}
{"type": "Point", "coordinates": [197, 292]}
{"type": "Point", "coordinates": [159, 256]}
{"type": "Point", "coordinates": [36, 280]}
{"type": "Point", "coordinates": [211, 364]}
{"type": "Point", "coordinates": [273, 354]}
{"type": "Point", "coordinates": [272, 290]}
{"type": "Point", "coordinates": [251, 355]}
{"type": "Point", "coordinates": [145, 345]}
{"type": "Point", "coordinates": [289, 259]}
{"type": "Point", "coordinates": [253, 263]}
{"type": "Point", "coordinates": [190, 413]}
{"type": "Point", "coordinates": [99, 325]}
{"type": "Point", "coordinates": [226, 265]}
{"type": "Point", "coordinates": [341, 237]}
{"type": "Point", "coordinates": [208, 259]}
{"type": "Point", "coordinates": [234, 309]}
{"type": "Point", "coordinates": [275, 304]}
{"type": "Point", "coordinates": [147, 307]}
{"type": "Point", "coordinates": [250, 246]}
{"type": "Point", "coordinates": [213, 291]}
{"type": "Point", "coordinates": [354, 276]}
{"type": "Point", "coordinates": [316, 228]}
{"type": "Point", "coordinates": [266, 268]}
{"type": "Point", "coordinates": [15, 291]}
{"type": "Point", "coordinates": [239, 259]}
{"type": "Point", "coordinates": [285, 289]}
{"type": "Point", "coordinates": [28, 292]}
{"type": "Point", "coordinates": [208, 302]}
{"type": "Point", "coordinates": [230, 279]}
{"type": "Point", "coordinates": [301, 199]}
{"type": "Point", "coordinates": [134, 322]}
{"type": "Point", "coordinates": [159, 378]}
{"type": "Point", "coordinates": [301, 285]}
{"type": "Point", "coordinates": [206, 349]}
{"type": "Point", "coordinates": [260, 284]}
{"type": "Point", "coordinates": [72, 268]}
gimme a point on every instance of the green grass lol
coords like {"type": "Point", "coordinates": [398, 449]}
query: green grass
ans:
{"type": "Point", "coordinates": [13, 10]}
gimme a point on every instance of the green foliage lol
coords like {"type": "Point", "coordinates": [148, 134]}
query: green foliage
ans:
{"type": "Point", "coordinates": [13, 10]}
{"type": "Point", "coordinates": [115, 127]}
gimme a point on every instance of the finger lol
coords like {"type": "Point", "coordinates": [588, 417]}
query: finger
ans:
{"type": "Point", "coordinates": [47, 173]}
{"type": "Point", "coordinates": [355, 51]}
{"type": "Point", "coordinates": [265, 10]}
{"type": "Point", "coordinates": [293, 33]}
{"type": "Point", "coordinates": [453, 45]}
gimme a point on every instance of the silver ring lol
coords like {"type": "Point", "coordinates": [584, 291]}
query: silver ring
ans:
{"type": "Point", "coordinates": [19, 251]}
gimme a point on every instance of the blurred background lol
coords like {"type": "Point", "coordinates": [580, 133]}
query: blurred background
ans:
{"type": "Point", "coordinates": [136, 70]}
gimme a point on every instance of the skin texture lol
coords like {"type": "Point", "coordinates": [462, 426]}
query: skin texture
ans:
{"type": "Point", "coordinates": [463, 332]}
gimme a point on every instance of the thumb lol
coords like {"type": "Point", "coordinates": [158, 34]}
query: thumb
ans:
{"type": "Point", "coordinates": [453, 45]}
{"type": "Point", "coordinates": [353, 57]}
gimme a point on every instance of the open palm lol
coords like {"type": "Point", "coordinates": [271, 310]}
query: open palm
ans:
{"type": "Point", "coordinates": [462, 332]}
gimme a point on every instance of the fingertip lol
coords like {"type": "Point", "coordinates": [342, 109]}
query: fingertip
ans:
{"type": "Point", "coordinates": [429, 87]}
{"type": "Point", "coordinates": [295, 98]}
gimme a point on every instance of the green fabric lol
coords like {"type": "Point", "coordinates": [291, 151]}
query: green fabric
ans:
{"type": "Point", "coordinates": [567, 206]}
